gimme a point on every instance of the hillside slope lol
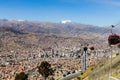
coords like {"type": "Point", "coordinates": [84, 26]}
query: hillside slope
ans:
{"type": "Point", "coordinates": [102, 71]}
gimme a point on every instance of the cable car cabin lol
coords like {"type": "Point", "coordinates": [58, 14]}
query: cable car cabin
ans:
{"type": "Point", "coordinates": [85, 49]}
{"type": "Point", "coordinates": [92, 48]}
{"type": "Point", "coordinates": [113, 39]}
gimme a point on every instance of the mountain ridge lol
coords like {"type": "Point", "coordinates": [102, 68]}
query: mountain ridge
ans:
{"type": "Point", "coordinates": [71, 29]}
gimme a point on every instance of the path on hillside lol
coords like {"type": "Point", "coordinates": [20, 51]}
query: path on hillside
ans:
{"type": "Point", "coordinates": [71, 76]}
{"type": "Point", "coordinates": [113, 78]}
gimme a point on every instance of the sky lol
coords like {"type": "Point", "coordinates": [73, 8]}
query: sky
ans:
{"type": "Point", "coordinates": [93, 12]}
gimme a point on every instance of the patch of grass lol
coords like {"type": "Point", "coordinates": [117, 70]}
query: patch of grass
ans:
{"type": "Point", "coordinates": [115, 74]}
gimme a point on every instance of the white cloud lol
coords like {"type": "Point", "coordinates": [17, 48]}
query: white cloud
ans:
{"type": "Point", "coordinates": [20, 20]}
{"type": "Point", "coordinates": [65, 21]}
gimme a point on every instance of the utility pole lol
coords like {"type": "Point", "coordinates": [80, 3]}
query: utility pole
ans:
{"type": "Point", "coordinates": [84, 65]}
{"type": "Point", "coordinates": [110, 73]}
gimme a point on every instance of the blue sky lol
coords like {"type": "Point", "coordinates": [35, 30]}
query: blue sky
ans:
{"type": "Point", "coordinates": [94, 12]}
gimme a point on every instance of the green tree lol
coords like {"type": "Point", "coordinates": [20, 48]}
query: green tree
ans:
{"type": "Point", "coordinates": [45, 69]}
{"type": "Point", "coordinates": [21, 76]}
